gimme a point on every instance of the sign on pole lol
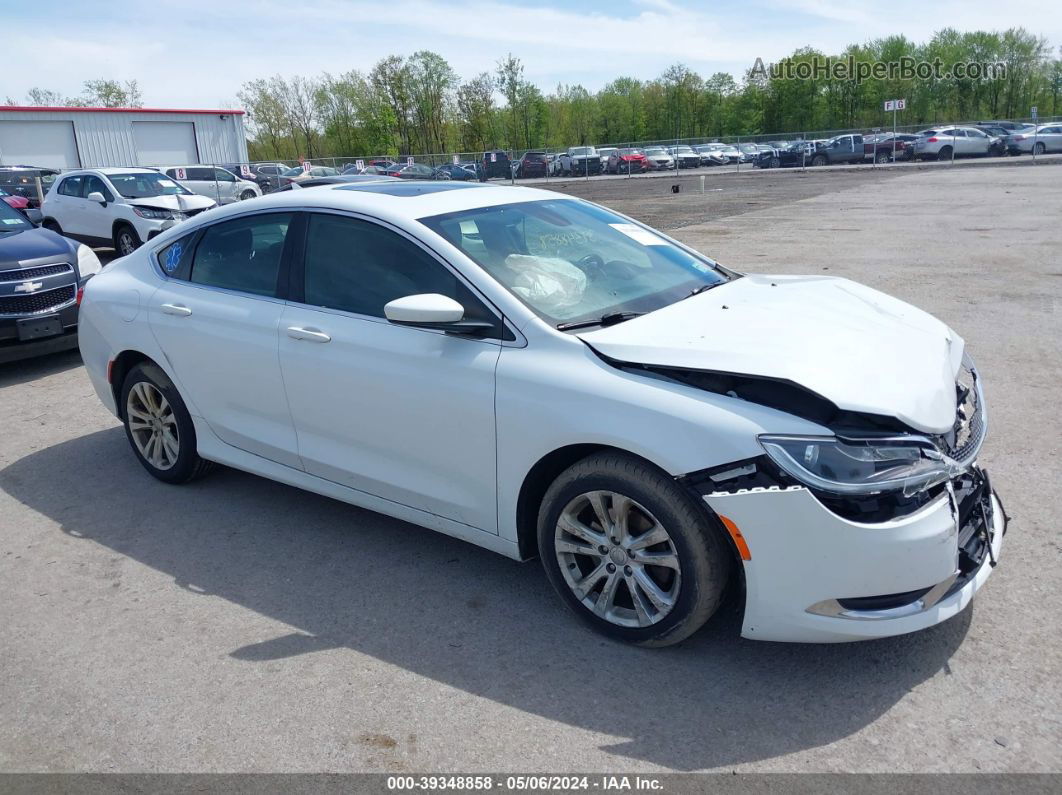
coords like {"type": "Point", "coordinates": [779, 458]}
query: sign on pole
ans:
{"type": "Point", "coordinates": [456, 160]}
{"type": "Point", "coordinates": [181, 173]}
{"type": "Point", "coordinates": [494, 157]}
{"type": "Point", "coordinates": [306, 166]}
{"type": "Point", "coordinates": [901, 104]}
{"type": "Point", "coordinates": [890, 104]}
{"type": "Point", "coordinates": [245, 170]}
{"type": "Point", "coordinates": [359, 165]}
{"type": "Point", "coordinates": [1035, 112]}
{"type": "Point", "coordinates": [409, 161]}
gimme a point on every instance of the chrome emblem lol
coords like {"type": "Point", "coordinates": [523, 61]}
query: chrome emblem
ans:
{"type": "Point", "coordinates": [29, 287]}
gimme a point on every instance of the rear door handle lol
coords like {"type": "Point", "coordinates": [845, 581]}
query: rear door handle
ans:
{"type": "Point", "coordinates": [176, 309]}
{"type": "Point", "coordinates": [308, 334]}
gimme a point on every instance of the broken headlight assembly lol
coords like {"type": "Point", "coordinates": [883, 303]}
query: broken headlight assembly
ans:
{"type": "Point", "coordinates": [848, 466]}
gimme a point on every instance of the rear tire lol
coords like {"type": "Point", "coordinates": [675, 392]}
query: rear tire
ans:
{"type": "Point", "coordinates": [656, 574]}
{"type": "Point", "coordinates": [944, 153]}
{"type": "Point", "coordinates": [882, 157]}
{"type": "Point", "coordinates": [818, 160]}
{"type": "Point", "coordinates": [159, 427]}
{"type": "Point", "coordinates": [1040, 148]}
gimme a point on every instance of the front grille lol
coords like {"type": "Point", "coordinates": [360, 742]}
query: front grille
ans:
{"type": "Point", "coordinates": [964, 440]}
{"type": "Point", "coordinates": [23, 274]}
{"type": "Point", "coordinates": [38, 302]}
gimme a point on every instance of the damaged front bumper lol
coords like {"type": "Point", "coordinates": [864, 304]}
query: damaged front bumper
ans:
{"type": "Point", "coordinates": [813, 575]}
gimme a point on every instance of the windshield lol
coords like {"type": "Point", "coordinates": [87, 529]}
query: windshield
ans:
{"type": "Point", "coordinates": [683, 149]}
{"type": "Point", "coordinates": [11, 220]}
{"type": "Point", "coordinates": [655, 151]}
{"type": "Point", "coordinates": [570, 261]}
{"type": "Point", "coordinates": [146, 184]}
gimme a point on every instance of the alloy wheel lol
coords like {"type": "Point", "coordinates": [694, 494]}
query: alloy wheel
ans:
{"type": "Point", "coordinates": [153, 425]}
{"type": "Point", "coordinates": [126, 245]}
{"type": "Point", "coordinates": [617, 559]}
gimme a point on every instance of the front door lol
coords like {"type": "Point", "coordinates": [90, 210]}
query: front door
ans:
{"type": "Point", "coordinates": [216, 319]}
{"type": "Point", "coordinates": [403, 413]}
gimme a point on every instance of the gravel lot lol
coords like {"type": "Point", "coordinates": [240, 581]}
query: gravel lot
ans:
{"type": "Point", "coordinates": [240, 625]}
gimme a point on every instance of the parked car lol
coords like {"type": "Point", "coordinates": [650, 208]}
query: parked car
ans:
{"type": "Point", "coordinates": [684, 156]}
{"type": "Point", "coordinates": [1043, 139]}
{"type": "Point", "coordinates": [495, 164]}
{"type": "Point", "coordinates": [541, 376]}
{"type": "Point", "coordinates": [605, 152]}
{"type": "Point", "coordinates": [793, 153]}
{"type": "Point", "coordinates": [627, 161]}
{"type": "Point", "coordinates": [473, 166]}
{"type": "Point", "coordinates": [341, 179]}
{"type": "Point", "coordinates": [455, 171]}
{"type": "Point", "coordinates": [1006, 125]}
{"type": "Point", "coordinates": [120, 207]}
{"type": "Point", "coordinates": [711, 154]}
{"type": "Point", "coordinates": [943, 142]}
{"type": "Point", "coordinates": [532, 164]}
{"type": "Point", "coordinates": [839, 149]}
{"type": "Point", "coordinates": [879, 147]}
{"type": "Point", "coordinates": [580, 161]}
{"type": "Point", "coordinates": [14, 202]}
{"type": "Point", "coordinates": [218, 184]}
{"type": "Point", "coordinates": [298, 173]}
{"type": "Point", "coordinates": [410, 171]}
{"type": "Point", "coordinates": [658, 159]}
{"type": "Point", "coordinates": [749, 151]}
{"type": "Point", "coordinates": [23, 181]}
{"type": "Point", "coordinates": [41, 278]}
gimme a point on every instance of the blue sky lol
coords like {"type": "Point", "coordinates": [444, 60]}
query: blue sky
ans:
{"type": "Point", "coordinates": [196, 53]}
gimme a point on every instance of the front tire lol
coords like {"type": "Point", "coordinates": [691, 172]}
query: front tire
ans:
{"type": "Point", "coordinates": [159, 427]}
{"type": "Point", "coordinates": [126, 240]}
{"type": "Point", "coordinates": [630, 551]}
{"type": "Point", "coordinates": [882, 158]}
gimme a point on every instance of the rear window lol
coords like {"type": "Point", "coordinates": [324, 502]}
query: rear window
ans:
{"type": "Point", "coordinates": [537, 157]}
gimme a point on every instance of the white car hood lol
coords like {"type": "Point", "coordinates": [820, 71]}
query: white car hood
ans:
{"type": "Point", "coordinates": [179, 202]}
{"type": "Point", "coordinates": [861, 349]}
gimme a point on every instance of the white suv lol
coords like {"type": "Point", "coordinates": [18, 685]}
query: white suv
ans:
{"type": "Point", "coordinates": [215, 183]}
{"type": "Point", "coordinates": [120, 207]}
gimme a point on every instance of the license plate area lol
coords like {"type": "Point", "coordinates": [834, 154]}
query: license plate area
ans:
{"type": "Point", "coordinates": [35, 328]}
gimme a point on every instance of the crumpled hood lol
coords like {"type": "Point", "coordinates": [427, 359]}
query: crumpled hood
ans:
{"type": "Point", "coordinates": [861, 349]}
{"type": "Point", "coordinates": [177, 202]}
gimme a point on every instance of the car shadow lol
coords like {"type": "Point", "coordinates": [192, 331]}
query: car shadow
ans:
{"type": "Point", "coordinates": [25, 370]}
{"type": "Point", "coordinates": [465, 617]}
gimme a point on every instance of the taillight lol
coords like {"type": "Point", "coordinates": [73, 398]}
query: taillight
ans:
{"type": "Point", "coordinates": [932, 140]}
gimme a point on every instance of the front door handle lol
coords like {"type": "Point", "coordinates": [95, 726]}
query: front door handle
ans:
{"type": "Point", "coordinates": [176, 309]}
{"type": "Point", "coordinates": [308, 334]}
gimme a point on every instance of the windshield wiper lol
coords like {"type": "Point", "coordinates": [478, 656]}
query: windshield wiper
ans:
{"type": "Point", "coordinates": [610, 319]}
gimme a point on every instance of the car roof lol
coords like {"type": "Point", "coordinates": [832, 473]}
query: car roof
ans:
{"type": "Point", "coordinates": [399, 201]}
{"type": "Point", "coordinates": [108, 170]}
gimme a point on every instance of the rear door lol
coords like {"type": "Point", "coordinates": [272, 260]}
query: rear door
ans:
{"type": "Point", "coordinates": [65, 205]}
{"type": "Point", "coordinates": [216, 317]}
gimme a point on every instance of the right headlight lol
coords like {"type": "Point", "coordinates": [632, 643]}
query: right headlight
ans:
{"type": "Point", "coordinates": [861, 466]}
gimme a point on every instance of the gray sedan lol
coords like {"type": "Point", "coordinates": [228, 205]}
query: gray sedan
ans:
{"type": "Point", "coordinates": [1043, 139]}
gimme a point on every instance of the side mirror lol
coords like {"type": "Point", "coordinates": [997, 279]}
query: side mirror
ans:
{"type": "Point", "coordinates": [96, 196]}
{"type": "Point", "coordinates": [433, 311]}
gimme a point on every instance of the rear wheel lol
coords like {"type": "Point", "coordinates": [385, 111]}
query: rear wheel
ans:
{"type": "Point", "coordinates": [818, 160]}
{"type": "Point", "coordinates": [944, 153]}
{"type": "Point", "coordinates": [1040, 148]}
{"type": "Point", "coordinates": [630, 552]}
{"type": "Point", "coordinates": [882, 157]}
{"type": "Point", "coordinates": [159, 427]}
{"type": "Point", "coordinates": [126, 240]}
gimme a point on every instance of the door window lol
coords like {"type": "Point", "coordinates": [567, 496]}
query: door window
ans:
{"type": "Point", "coordinates": [357, 266]}
{"type": "Point", "coordinates": [200, 174]}
{"type": "Point", "coordinates": [223, 175]}
{"type": "Point", "coordinates": [94, 183]}
{"type": "Point", "coordinates": [71, 186]}
{"type": "Point", "coordinates": [243, 254]}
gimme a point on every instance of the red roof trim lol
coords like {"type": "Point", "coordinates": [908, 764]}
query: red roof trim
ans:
{"type": "Point", "coordinates": [64, 109]}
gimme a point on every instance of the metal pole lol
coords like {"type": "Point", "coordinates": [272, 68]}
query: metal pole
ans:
{"type": "Point", "coordinates": [893, 135]}
{"type": "Point", "coordinates": [1036, 134]}
{"type": "Point", "coordinates": [953, 145]}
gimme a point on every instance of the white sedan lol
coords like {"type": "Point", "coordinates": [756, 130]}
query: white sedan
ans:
{"type": "Point", "coordinates": [542, 376]}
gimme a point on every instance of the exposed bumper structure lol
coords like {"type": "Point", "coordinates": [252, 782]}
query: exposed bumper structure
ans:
{"type": "Point", "coordinates": [816, 577]}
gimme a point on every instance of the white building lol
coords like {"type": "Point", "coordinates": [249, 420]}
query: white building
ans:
{"type": "Point", "coordinates": [87, 137]}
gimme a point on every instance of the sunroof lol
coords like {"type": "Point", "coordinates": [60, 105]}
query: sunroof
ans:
{"type": "Point", "coordinates": [409, 188]}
